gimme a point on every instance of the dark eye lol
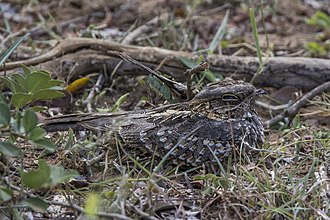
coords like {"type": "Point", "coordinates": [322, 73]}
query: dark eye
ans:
{"type": "Point", "coordinates": [229, 98]}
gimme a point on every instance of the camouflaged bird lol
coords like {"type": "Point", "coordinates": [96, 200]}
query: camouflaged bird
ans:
{"type": "Point", "coordinates": [205, 129]}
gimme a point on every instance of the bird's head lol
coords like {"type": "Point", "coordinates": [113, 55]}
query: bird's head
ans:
{"type": "Point", "coordinates": [227, 96]}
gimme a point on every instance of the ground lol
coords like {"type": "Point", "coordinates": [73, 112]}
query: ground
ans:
{"type": "Point", "coordinates": [289, 179]}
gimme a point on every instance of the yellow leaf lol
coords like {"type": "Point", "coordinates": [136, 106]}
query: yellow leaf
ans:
{"type": "Point", "coordinates": [77, 84]}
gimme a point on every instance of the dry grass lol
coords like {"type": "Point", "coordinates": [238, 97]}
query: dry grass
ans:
{"type": "Point", "coordinates": [288, 179]}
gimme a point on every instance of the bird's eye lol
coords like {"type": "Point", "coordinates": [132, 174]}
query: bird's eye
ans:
{"type": "Point", "coordinates": [229, 98]}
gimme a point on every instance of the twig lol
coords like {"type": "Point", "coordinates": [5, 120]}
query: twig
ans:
{"type": "Point", "coordinates": [144, 214]}
{"type": "Point", "coordinates": [143, 29]}
{"type": "Point", "coordinates": [95, 90]}
{"type": "Point", "coordinates": [190, 72]}
{"type": "Point", "coordinates": [106, 164]}
{"type": "Point", "coordinates": [292, 110]}
{"type": "Point", "coordinates": [216, 10]}
{"type": "Point", "coordinates": [179, 88]}
{"type": "Point", "coordinates": [69, 205]}
{"type": "Point", "coordinates": [95, 159]}
{"type": "Point", "coordinates": [113, 73]}
{"type": "Point", "coordinates": [272, 107]}
{"type": "Point", "coordinates": [81, 210]}
{"type": "Point", "coordinates": [40, 29]}
{"type": "Point", "coordinates": [14, 207]}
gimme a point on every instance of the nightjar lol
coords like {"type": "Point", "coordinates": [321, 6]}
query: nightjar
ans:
{"type": "Point", "coordinates": [207, 128]}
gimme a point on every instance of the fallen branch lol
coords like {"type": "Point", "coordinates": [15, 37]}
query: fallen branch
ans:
{"type": "Point", "coordinates": [92, 54]}
{"type": "Point", "coordinates": [293, 109]}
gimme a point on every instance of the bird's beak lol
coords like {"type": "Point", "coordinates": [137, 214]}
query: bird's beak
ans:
{"type": "Point", "coordinates": [260, 92]}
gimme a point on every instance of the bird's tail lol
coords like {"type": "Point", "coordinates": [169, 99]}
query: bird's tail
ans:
{"type": "Point", "coordinates": [78, 122]}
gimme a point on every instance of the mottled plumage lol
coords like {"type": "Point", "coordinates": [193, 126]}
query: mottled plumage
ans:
{"type": "Point", "coordinates": [207, 128]}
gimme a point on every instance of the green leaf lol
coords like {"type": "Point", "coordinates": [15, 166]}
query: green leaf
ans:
{"type": "Point", "coordinates": [17, 215]}
{"type": "Point", "coordinates": [38, 108]}
{"type": "Point", "coordinates": [36, 204]}
{"type": "Point", "coordinates": [20, 80]}
{"type": "Point", "coordinates": [119, 102]}
{"type": "Point", "coordinates": [17, 123]}
{"type": "Point", "coordinates": [44, 143]}
{"type": "Point", "coordinates": [2, 98]}
{"type": "Point", "coordinates": [8, 82]}
{"type": "Point", "coordinates": [37, 178]}
{"type": "Point", "coordinates": [109, 194]}
{"type": "Point", "coordinates": [37, 133]}
{"type": "Point", "coordinates": [11, 49]}
{"type": "Point", "coordinates": [4, 114]}
{"type": "Point", "coordinates": [5, 194]}
{"type": "Point", "coordinates": [29, 120]}
{"type": "Point", "coordinates": [54, 82]}
{"type": "Point", "coordinates": [201, 58]}
{"type": "Point", "coordinates": [161, 88]}
{"type": "Point", "coordinates": [210, 75]}
{"type": "Point", "coordinates": [320, 19]}
{"type": "Point", "coordinates": [70, 140]}
{"type": "Point", "coordinates": [47, 94]}
{"type": "Point", "coordinates": [59, 174]}
{"type": "Point", "coordinates": [37, 80]}
{"type": "Point", "coordinates": [26, 70]}
{"type": "Point", "coordinates": [92, 204]}
{"type": "Point", "coordinates": [316, 49]}
{"type": "Point", "coordinates": [190, 63]}
{"type": "Point", "coordinates": [9, 149]}
{"type": "Point", "coordinates": [224, 44]}
{"type": "Point", "coordinates": [296, 122]}
{"type": "Point", "coordinates": [12, 85]}
{"type": "Point", "coordinates": [21, 99]}
{"type": "Point", "coordinates": [166, 92]}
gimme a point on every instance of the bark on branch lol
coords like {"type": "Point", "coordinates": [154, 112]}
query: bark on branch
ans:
{"type": "Point", "coordinates": [84, 55]}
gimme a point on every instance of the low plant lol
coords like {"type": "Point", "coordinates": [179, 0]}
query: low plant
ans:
{"type": "Point", "coordinates": [19, 127]}
{"type": "Point", "coordinates": [321, 46]}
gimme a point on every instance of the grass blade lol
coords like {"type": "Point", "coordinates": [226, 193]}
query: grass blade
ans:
{"type": "Point", "coordinates": [11, 49]}
{"type": "Point", "coordinates": [220, 33]}
{"type": "Point", "coordinates": [255, 34]}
